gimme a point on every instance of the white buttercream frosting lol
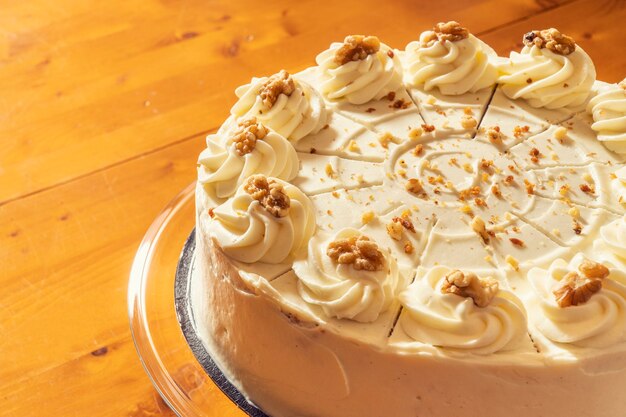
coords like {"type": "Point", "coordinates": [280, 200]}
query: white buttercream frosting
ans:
{"type": "Point", "coordinates": [248, 232]}
{"type": "Point", "coordinates": [340, 289]}
{"type": "Point", "coordinates": [598, 322]}
{"type": "Point", "coordinates": [362, 80]}
{"type": "Point", "coordinates": [295, 115]}
{"type": "Point", "coordinates": [455, 322]}
{"type": "Point", "coordinates": [221, 168]}
{"type": "Point", "coordinates": [611, 244]}
{"type": "Point", "coordinates": [608, 109]}
{"type": "Point", "coordinates": [548, 79]}
{"type": "Point", "coordinates": [455, 67]}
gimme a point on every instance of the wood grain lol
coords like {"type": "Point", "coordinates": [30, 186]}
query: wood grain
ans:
{"type": "Point", "coordinates": [103, 110]}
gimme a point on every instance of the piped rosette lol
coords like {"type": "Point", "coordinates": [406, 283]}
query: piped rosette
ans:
{"type": "Point", "coordinates": [551, 71]}
{"type": "Point", "coordinates": [283, 103]}
{"type": "Point", "coordinates": [349, 276]}
{"type": "Point", "coordinates": [580, 303]}
{"type": "Point", "coordinates": [608, 109]}
{"type": "Point", "coordinates": [610, 246]}
{"type": "Point", "coordinates": [267, 220]}
{"type": "Point", "coordinates": [461, 312]}
{"type": "Point", "coordinates": [361, 78]}
{"type": "Point", "coordinates": [232, 155]}
{"type": "Point", "coordinates": [451, 73]}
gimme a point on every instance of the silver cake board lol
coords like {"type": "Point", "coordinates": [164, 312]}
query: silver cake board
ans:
{"type": "Point", "coordinates": [182, 302]}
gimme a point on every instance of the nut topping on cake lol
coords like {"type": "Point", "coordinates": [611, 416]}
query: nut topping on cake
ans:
{"type": "Point", "coordinates": [269, 193]}
{"type": "Point", "coordinates": [552, 39]}
{"type": "Point", "coordinates": [575, 289]}
{"type": "Point", "coordinates": [277, 84]}
{"type": "Point", "coordinates": [449, 31]}
{"type": "Point", "coordinates": [355, 48]}
{"type": "Point", "coordinates": [468, 284]}
{"type": "Point", "coordinates": [478, 225]}
{"type": "Point", "coordinates": [361, 252]}
{"type": "Point", "coordinates": [245, 137]}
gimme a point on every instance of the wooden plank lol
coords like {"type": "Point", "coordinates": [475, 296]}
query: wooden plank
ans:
{"type": "Point", "coordinates": [96, 86]}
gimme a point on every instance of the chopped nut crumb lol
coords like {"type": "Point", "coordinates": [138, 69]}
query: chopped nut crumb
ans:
{"type": "Point", "coordinates": [361, 252]}
{"type": "Point", "coordinates": [564, 190]}
{"type": "Point", "coordinates": [414, 185]}
{"type": "Point", "coordinates": [245, 137]}
{"type": "Point", "coordinates": [586, 188]}
{"type": "Point", "coordinates": [269, 193]}
{"type": "Point", "coordinates": [468, 284]}
{"type": "Point", "coordinates": [277, 84]}
{"type": "Point", "coordinates": [552, 39]}
{"type": "Point", "coordinates": [513, 263]}
{"type": "Point", "coordinates": [530, 187]}
{"type": "Point", "coordinates": [394, 229]}
{"type": "Point", "coordinates": [495, 190]}
{"type": "Point", "coordinates": [444, 31]}
{"type": "Point", "coordinates": [560, 133]}
{"type": "Point", "coordinates": [534, 155]}
{"type": "Point", "coordinates": [408, 247]}
{"type": "Point", "coordinates": [367, 217]}
{"type": "Point", "coordinates": [405, 222]}
{"type": "Point", "coordinates": [494, 134]}
{"type": "Point", "coordinates": [428, 128]}
{"type": "Point", "coordinates": [478, 226]}
{"type": "Point", "coordinates": [356, 48]}
{"type": "Point", "coordinates": [468, 122]}
{"type": "Point", "coordinates": [353, 146]}
{"type": "Point", "coordinates": [517, 242]}
{"type": "Point", "coordinates": [468, 110]}
{"type": "Point", "coordinates": [419, 148]}
{"type": "Point", "coordinates": [330, 172]}
{"type": "Point", "coordinates": [384, 139]}
{"type": "Point", "coordinates": [519, 131]}
{"type": "Point", "coordinates": [486, 163]}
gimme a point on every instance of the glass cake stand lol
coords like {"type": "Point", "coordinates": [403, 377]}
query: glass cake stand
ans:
{"type": "Point", "coordinates": [185, 384]}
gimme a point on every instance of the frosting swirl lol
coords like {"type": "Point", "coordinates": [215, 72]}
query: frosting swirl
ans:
{"type": "Point", "coordinates": [250, 227]}
{"type": "Point", "coordinates": [290, 107]}
{"type": "Point", "coordinates": [371, 77]}
{"type": "Point", "coordinates": [610, 246]}
{"type": "Point", "coordinates": [454, 322]}
{"type": "Point", "coordinates": [546, 78]}
{"type": "Point", "coordinates": [598, 322]}
{"type": "Point", "coordinates": [608, 109]}
{"type": "Point", "coordinates": [455, 67]}
{"type": "Point", "coordinates": [619, 185]}
{"type": "Point", "coordinates": [345, 290]}
{"type": "Point", "coordinates": [222, 167]}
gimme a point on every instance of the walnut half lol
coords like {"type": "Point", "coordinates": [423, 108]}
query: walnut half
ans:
{"type": "Point", "coordinates": [245, 137]}
{"type": "Point", "coordinates": [356, 48]}
{"type": "Point", "coordinates": [552, 39]}
{"type": "Point", "coordinates": [360, 251]}
{"type": "Point", "coordinates": [575, 289]}
{"type": "Point", "coordinates": [468, 284]}
{"type": "Point", "coordinates": [274, 86]}
{"type": "Point", "coordinates": [445, 31]}
{"type": "Point", "coordinates": [269, 193]}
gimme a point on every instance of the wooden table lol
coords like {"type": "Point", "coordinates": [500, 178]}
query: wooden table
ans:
{"type": "Point", "coordinates": [104, 107]}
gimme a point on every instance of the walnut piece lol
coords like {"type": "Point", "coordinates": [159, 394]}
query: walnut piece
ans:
{"type": "Point", "coordinates": [449, 31]}
{"type": "Point", "coordinates": [269, 193]}
{"type": "Point", "coordinates": [361, 252]}
{"type": "Point", "coordinates": [414, 185]}
{"type": "Point", "coordinates": [277, 84]}
{"type": "Point", "coordinates": [494, 134]}
{"type": "Point", "coordinates": [468, 284]}
{"type": "Point", "coordinates": [245, 137]}
{"type": "Point", "coordinates": [355, 48]}
{"type": "Point", "coordinates": [575, 289]}
{"type": "Point", "coordinates": [552, 39]}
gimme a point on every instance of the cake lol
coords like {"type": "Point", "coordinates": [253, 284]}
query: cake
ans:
{"type": "Point", "coordinates": [434, 232]}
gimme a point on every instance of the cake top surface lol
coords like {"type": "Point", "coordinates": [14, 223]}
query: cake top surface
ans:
{"type": "Point", "coordinates": [397, 191]}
